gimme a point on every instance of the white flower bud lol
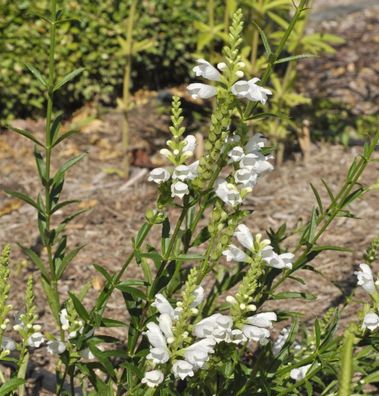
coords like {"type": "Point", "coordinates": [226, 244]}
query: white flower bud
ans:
{"type": "Point", "coordinates": [221, 66]}
{"type": "Point", "coordinates": [240, 73]}
{"type": "Point", "coordinates": [242, 307]}
{"type": "Point", "coordinates": [37, 327]}
{"type": "Point", "coordinates": [241, 64]}
{"type": "Point", "coordinates": [195, 311]}
{"type": "Point", "coordinates": [231, 300]}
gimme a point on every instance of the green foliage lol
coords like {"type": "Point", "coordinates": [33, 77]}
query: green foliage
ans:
{"type": "Point", "coordinates": [91, 37]}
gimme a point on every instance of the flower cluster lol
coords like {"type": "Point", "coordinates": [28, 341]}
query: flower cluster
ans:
{"type": "Point", "coordinates": [255, 245]}
{"type": "Point", "coordinates": [366, 281]}
{"type": "Point", "coordinates": [179, 151]}
{"type": "Point", "coordinates": [249, 90]}
{"type": "Point", "coordinates": [249, 163]}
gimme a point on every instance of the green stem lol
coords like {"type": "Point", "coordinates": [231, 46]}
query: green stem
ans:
{"type": "Point", "coordinates": [126, 84]}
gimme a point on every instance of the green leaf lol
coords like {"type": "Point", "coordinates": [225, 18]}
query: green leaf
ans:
{"type": "Point", "coordinates": [40, 166]}
{"type": "Point", "coordinates": [67, 260]}
{"type": "Point", "coordinates": [347, 365]}
{"type": "Point", "coordinates": [135, 293]}
{"type": "Point", "coordinates": [11, 385]}
{"type": "Point", "coordinates": [37, 74]}
{"type": "Point", "coordinates": [293, 58]}
{"type": "Point", "coordinates": [294, 295]}
{"type": "Point", "coordinates": [79, 307]}
{"type": "Point", "coordinates": [264, 39]}
{"type": "Point", "coordinates": [318, 198]}
{"type": "Point", "coordinates": [25, 133]}
{"type": "Point", "coordinates": [66, 166]}
{"type": "Point", "coordinates": [22, 196]}
{"type": "Point", "coordinates": [63, 204]}
{"type": "Point", "coordinates": [321, 248]}
{"type": "Point", "coordinates": [68, 77]}
{"type": "Point", "coordinates": [54, 129]}
{"type": "Point", "coordinates": [65, 136]}
{"type": "Point", "coordinates": [189, 257]}
{"type": "Point", "coordinates": [51, 298]}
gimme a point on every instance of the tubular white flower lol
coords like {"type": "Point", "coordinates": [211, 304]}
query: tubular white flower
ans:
{"type": "Point", "coordinates": [159, 175]}
{"type": "Point", "coordinates": [36, 340]}
{"type": "Point", "coordinates": [179, 189]}
{"type": "Point", "coordinates": [236, 154]}
{"type": "Point", "coordinates": [255, 143]}
{"type": "Point", "coordinates": [158, 355]}
{"type": "Point", "coordinates": [246, 177]}
{"type": "Point", "coordinates": [190, 144]}
{"type": "Point", "coordinates": [155, 336]}
{"type": "Point", "coordinates": [237, 337]}
{"type": "Point", "coordinates": [165, 324]}
{"type": "Point", "coordinates": [182, 369]}
{"type": "Point", "coordinates": [56, 347]}
{"type": "Point", "coordinates": [165, 152]}
{"type": "Point", "coordinates": [227, 192]}
{"type": "Point", "coordinates": [162, 305]}
{"type": "Point", "coordinates": [365, 278]}
{"type": "Point", "coordinates": [183, 172]}
{"type": "Point", "coordinates": [206, 70]}
{"type": "Point", "coordinates": [63, 318]}
{"type": "Point", "coordinates": [263, 319]}
{"type": "Point", "coordinates": [217, 327]}
{"type": "Point", "coordinates": [275, 260]}
{"type": "Point", "coordinates": [197, 353]}
{"type": "Point", "coordinates": [277, 346]}
{"type": "Point", "coordinates": [300, 373]}
{"type": "Point", "coordinates": [257, 326]}
{"type": "Point", "coordinates": [250, 90]}
{"type": "Point", "coordinates": [202, 91]}
{"type": "Point", "coordinates": [244, 236]}
{"type": "Point", "coordinates": [234, 253]}
{"type": "Point", "coordinates": [370, 321]}
{"type": "Point", "coordinates": [257, 162]}
{"type": "Point", "coordinates": [8, 343]}
{"type": "Point", "coordinates": [153, 378]}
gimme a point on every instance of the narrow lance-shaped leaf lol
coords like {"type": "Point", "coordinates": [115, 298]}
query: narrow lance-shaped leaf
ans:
{"type": "Point", "coordinates": [37, 74]}
{"type": "Point", "coordinates": [294, 58]}
{"type": "Point", "coordinates": [264, 39]}
{"type": "Point", "coordinates": [66, 166]}
{"type": "Point", "coordinates": [68, 77]}
{"type": "Point", "coordinates": [23, 132]}
{"type": "Point", "coordinates": [22, 196]}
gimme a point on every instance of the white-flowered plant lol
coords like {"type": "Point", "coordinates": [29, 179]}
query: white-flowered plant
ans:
{"type": "Point", "coordinates": [211, 294]}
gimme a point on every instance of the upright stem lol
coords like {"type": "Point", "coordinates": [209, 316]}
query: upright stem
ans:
{"type": "Point", "coordinates": [126, 85]}
{"type": "Point", "coordinates": [254, 43]}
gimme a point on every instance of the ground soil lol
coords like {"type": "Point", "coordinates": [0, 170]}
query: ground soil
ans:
{"type": "Point", "coordinates": [117, 207]}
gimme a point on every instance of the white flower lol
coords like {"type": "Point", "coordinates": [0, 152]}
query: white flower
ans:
{"type": "Point", "coordinates": [279, 343]}
{"type": "Point", "coordinates": [300, 373]}
{"type": "Point", "coordinates": [159, 175]}
{"type": "Point", "coordinates": [56, 347]}
{"type": "Point", "coordinates": [197, 353]}
{"type": "Point", "coordinates": [365, 278]}
{"type": "Point", "coordinates": [227, 192]}
{"type": "Point", "coordinates": [255, 143]}
{"type": "Point", "coordinates": [206, 70]}
{"type": "Point", "coordinates": [190, 144]}
{"type": "Point", "coordinates": [236, 154]}
{"type": "Point", "coordinates": [165, 324]}
{"type": "Point", "coordinates": [87, 354]}
{"type": "Point", "coordinates": [183, 172]}
{"type": "Point", "coordinates": [159, 352]}
{"type": "Point", "coordinates": [8, 344]}
{"type": "Point", "coordinates": [199, 296]}
{"type": "Point", "coordinates": [275, 260]}
{"type": "Point", "coordinates": [371, 321]}
{"type": "Point", "coordinates": [256, 327]}
{"type": "Point", "coordinates": [179, 189]}
{"type": "Point", "coordinates": [35, 340]}
{"type": "Point", "coordinates": [216, 326]}
{"type": "Point", "coordinates": [244, 236]}
{"type": "Point", "coordinates": [203, 91]}
{"type": "Point", "coordinates": [257, 162]}
{"type": "Point", "coordinates": [182, 369]}
{"type": "Point", "coordinates": [246, 177]}
{"type": "Point", "coordinates": [234, 253]}
{"type": "Point", "coordinates": [237, 337]}
{"type": "Point", "coordinates": [162, 305]}
{"type": "Point", "coordinates": [250, 90]}
{"type": "Point", "coordinates": [63, 317]}
{"type": "Point", "coordinates": [153, 378]}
